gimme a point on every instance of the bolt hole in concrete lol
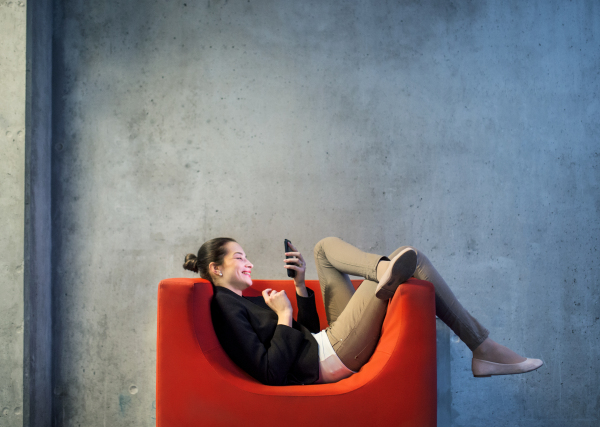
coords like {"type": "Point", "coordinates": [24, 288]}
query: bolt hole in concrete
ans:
{"type": "Point", "coordinates": [133, 389]}
{"type": "Point", "coordinates": [18, 410]}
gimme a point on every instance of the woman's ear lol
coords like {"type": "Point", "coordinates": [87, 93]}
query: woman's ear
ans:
{"type": "Point", "coordinates": [215, 269]}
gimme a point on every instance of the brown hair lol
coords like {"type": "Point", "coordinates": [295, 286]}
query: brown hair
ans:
{"type": "Point", "coordinates": [211, 251]}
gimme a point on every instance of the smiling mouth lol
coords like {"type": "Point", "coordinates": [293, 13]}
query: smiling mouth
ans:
{"type": "Point", "coordinates": [247, 273]}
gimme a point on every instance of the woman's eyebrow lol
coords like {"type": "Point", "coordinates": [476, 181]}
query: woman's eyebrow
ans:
{"type": "Point", "coordinates": [235, 253]}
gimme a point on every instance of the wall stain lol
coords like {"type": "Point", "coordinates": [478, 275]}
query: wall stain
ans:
{"type": "Point", "coordinates": [124, 403]}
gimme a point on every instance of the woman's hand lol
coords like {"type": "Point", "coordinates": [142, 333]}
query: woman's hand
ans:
{"type": "Point", "coordinates": [299, 265]}
{"type": "Point", "coordinates": [280, 304]}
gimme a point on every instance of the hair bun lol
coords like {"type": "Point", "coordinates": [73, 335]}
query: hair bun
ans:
{"type": "Point", "coordinates": [191, 263]}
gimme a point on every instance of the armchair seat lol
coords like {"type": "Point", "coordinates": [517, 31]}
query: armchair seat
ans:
{"type": "Point", "coordinates": [198, 385]}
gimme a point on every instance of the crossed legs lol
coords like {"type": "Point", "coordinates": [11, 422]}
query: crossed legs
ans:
{"type": "Point", "coordinates": [355, 318]}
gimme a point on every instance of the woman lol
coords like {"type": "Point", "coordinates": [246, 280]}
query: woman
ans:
{"type": "Point", "coordinates": [260, 335]}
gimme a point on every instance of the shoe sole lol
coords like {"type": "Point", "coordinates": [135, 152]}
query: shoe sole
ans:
{"type": "Point", "coordinates": [404, 267]}
{"type": "Point", "coordinates": [487, 369]}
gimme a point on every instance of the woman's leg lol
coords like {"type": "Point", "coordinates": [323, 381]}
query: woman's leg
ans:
{"type": "Point", "coordinates": [336, 259]}
{"type": "Point", "coordinates": [355, 318]}
{"type": "Point", "coordinates": [355, 324]}
{"type": "Point", "coordinates": [447, 307]}
{"type": "Point", "coordinates": [468, 329]}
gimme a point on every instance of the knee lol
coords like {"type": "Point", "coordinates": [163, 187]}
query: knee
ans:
{"type": "Point", "coordinates": [420, 255]}
{"type": "Point", "coordinates": [401, 248]}
{"type": "Point", "coordinates": [320, 246]}
{"type": "Point", "coordinates": [418, 252]}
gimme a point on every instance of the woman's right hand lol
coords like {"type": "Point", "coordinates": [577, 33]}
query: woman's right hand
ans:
{"type": "Point", "coordinates": [280, 304]}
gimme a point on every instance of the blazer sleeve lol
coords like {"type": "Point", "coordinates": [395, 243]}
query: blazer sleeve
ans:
{"type": "Point", "coordinates": [269, 365]}
{"type": "Point", "coordinates": [307, 312]}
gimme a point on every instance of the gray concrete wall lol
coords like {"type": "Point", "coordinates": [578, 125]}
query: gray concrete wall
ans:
{"type": "Point", "coordinates": [12, 200]}
{"type": "Point", "coordinates": [467, 129]}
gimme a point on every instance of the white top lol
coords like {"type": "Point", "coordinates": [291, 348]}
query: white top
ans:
{"type": "Point", "coordinates": [331, 368]}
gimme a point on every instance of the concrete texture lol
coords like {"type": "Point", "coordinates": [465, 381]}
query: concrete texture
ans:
{"type": "Point", "coordinates": [37, 396]}
{"type": "Point", "coordinates": [12, 195]}
{"type": "Point", "coordinates": [467, 129]}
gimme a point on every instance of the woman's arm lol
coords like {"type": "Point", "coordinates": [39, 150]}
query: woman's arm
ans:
{"type": "Point", "coordinates": [307, 310]}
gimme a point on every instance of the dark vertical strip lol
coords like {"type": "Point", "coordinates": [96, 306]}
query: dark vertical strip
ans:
{"type": "Point", "coordinates": [58, 141]}
{"type": "Point", "coordinates": [444, 395]}
{"type": "Point", "coordinates": [37, 363]}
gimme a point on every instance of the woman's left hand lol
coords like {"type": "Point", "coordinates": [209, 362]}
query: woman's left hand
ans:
{"type": "Point", "coordinates": [297, 264]}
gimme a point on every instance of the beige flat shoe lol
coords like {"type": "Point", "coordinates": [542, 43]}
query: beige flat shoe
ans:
{"type": "Point", "coordinates": [401, 268]}
{"type": "Point", "coordinates": [483, 368]}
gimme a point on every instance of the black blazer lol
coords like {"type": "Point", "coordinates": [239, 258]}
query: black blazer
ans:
{"type": "Point", "coordinates": [273, 354]}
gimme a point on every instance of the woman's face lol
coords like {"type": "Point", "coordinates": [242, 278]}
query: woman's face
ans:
{"type": "Point", "coordinates": [236, 268]}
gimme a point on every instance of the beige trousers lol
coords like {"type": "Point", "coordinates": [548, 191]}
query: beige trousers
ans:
{"type": "Point", "coordinates": [355, 317]}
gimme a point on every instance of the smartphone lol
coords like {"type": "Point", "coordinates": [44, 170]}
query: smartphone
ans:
{"type": "Point", "coordinates": [286, 242]}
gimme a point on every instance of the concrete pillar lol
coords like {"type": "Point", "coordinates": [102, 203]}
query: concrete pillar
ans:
{"type": "Point", "coordinates": [25, 238]}
{"type": "Point", "coordinates": [12, 184]}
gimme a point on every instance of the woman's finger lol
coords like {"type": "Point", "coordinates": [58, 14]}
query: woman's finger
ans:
{"type": "Point", "coordinates": [295, 252]}
{"type": "Point", "coordinates": [295, 267]}
{"type": "Point", "coordinates": [294, 262]}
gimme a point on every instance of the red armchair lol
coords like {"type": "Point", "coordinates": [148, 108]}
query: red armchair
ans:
{"type": "Point", "coordinates": [198, 385]}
